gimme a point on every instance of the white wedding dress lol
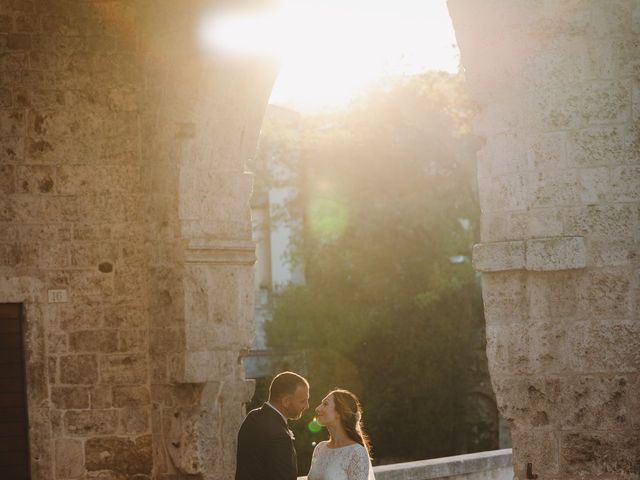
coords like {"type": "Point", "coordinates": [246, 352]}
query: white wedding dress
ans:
{"type": "Point", "coordinates": [344, 463]}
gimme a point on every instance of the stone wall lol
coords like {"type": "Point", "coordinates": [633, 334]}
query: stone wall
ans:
{"type": "Point", "coordinates": [125, 231]}
{"type": "Point", "coordinates": [558, 84]}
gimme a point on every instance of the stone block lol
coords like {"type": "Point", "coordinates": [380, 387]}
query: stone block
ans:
{"type": "Point", "coordinates": [553, 189]}
{"type": "Point", "coordinates": [128, 282]}
{"type": "Point", "coordinates": [45, 233]}
{"type": "Point", "coordinates": [100, 396]}
{"type": "Point", "coordinates": [53, 255]}
{"type": "Point", "coordinates": [204, 307]}
{"type": "Point", "coordinates": [607, 222]}
{"type": "Point", "coordinates": [505, 153]}
{"type": "Point", "coordinates": [606, 294]}
{"type": "Point", "coordinates": [612, 18]}
{"type": "Point", "coordinates": [69, 454]}
{"type": "Point", "coordinates": [101, 208]}
{"type": "Point", "coordinates": [526, 349]}
{"type": "Point", "coordinates": [119, 454]}
{"type": "Point", "coordinates": [167, 340]}
{"type": "Point", "coordinates": [125, 316]}
{"type": "Point", "coordinates": [100, 341]}
{"type": "Point", "coordinates": [90, 422]}
{"type": "Point", "coordinates": [612, 253]}
{"type": "Point", "coordinates": [90, 254]}
{"type": "Point", "coordinates": [118, 369]}
{"type": "Point", "coordinates": [12, 123]}
{"type": "Point", "coordinates": [130, 396]}
{"type": "Point", "coordinates": [593, 454]}
{"type": "Point", "coordinates": [134, 420]}
{"type": "Point", "coordinates": [70, 397]}
{"type": "Point", "coordinates": [36, 179]}
{"type": "Point", "coordinates": [78, 316]}
{"type": "Point", "coordinates": [614, 57]}
{"type": "Point", "coordinates": [111, 475]}
{"type": "Point", "coordinates": [57, 343]}
{"type": "Point", "coordinates": [24, 208]}
{"type": "Point", "coordinates": [602, 146]}
{"type": "Point", "coordinates": [7, 179]}
{"type": "Point", "coordinates": [570, 107]}
{"type": "Point", "coordinates": [199, 367]}
{"type": "Point", "coordinates": [595, 185]}
{"type": "Point", "coordinates": [6, 23]}
{"type": "Point", "coordinates": [499, 256]}
{"type": "Point", "coordinates": [544, 222]}
{"type": "Point", "coordinates": [530, 402]}
{"type": "Point", "coordinates": [604, 346]}
{"type": "Point", "coordinates": [554, 294]}
{"type": "Point", "coordinates": [5, 98]}
{"type": "Point", "coordinates": [19, 41]}
{"type": "Point", "coordinates": [556, 253]}
{"type": "Point", "coordinates": [27, 23]}
{"type": "Point", "coordinates": [625, 183]}
{"type": "Point", "coordinates": [546, 152]}
{"type": "Point", "coordinates": [78, 369]}
{"type": "Point", "coordinates": [538, 447]}
{"type": "Point", "coordinates": [90, 286]}
{"type": "Point", "coordinates": [133, 341]}
{"type": "Point", "coordinates": [61, 208]}
{"type": "Point", "coordinates": [96, 233]}
{"type": "Point", "coordinates": [507, 192]}
{"type": "Point", "coordinates": [600, 402]}
{"type": "Point", "coordinates": [505, 296]}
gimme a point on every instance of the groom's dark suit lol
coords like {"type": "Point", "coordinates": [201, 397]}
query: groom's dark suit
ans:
{"type": "Point", "coordinates": [265, 447]}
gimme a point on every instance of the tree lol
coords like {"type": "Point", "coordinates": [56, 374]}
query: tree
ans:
{"type": "Point", "coordinates": [384, 311]}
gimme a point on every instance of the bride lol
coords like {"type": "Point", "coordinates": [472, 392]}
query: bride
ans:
{"type": "Point", "coordinates": [346, 455]}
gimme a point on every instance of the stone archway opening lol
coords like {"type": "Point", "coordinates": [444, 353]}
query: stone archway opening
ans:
{"type": "Point", "coordinates": [290, 274]}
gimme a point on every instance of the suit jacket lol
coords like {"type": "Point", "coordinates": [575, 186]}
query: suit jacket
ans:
{"type": "Point", "coordinates": [265, 447]}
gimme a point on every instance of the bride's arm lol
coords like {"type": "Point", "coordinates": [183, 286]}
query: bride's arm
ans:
{"type": "Point", "coordinates": [359, 465]}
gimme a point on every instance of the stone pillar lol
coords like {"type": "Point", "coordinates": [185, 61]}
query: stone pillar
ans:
{"type": "Point", "coordinates": [558, 86]}
{"type": "Point", "coordinates": [201, 124]}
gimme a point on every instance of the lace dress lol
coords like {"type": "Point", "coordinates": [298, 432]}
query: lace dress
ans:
{"type": "Point", "coordinates": [343, 463]}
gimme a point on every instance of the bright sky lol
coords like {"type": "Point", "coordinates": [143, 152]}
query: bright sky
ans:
{"type": "Point", "coordinates": [331, 50]}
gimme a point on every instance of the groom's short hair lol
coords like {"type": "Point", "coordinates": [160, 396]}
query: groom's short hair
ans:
{"type": "Point", "coordinates": [285, 383]}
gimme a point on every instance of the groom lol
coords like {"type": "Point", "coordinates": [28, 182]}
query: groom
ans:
{"type": "Point", "coordinates": [265, 443]}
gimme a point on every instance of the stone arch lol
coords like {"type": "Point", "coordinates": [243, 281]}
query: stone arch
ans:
{"type": "Point", "coordinates": [123, 147]}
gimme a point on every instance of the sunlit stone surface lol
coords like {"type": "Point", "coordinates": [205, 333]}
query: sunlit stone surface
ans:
{"type": "Point", "coordinates": [559, 178]}
{"type": "Point", "coordinates": [122, 186]}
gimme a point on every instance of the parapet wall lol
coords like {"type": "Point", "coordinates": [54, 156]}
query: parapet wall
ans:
{"type": "Point", "coordinates": [559, 178]}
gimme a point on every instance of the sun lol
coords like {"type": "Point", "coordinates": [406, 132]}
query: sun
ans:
{"type": "Point", "coordinates": [332, 50]}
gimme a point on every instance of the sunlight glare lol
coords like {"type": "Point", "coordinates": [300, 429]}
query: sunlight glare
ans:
{"type": "Point", "coordinates": [331, 50]}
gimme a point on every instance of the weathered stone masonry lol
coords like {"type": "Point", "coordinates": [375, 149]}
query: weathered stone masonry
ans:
{"type": "Point", "coordinates": [122, 181]}
{"type": "Point", "coordinates": [558, 83]}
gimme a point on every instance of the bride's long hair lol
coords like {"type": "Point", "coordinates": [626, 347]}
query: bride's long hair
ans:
{"type": "Point", "coordinates": [350, 411]}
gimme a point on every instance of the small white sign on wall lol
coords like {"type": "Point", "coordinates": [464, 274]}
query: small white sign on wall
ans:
{"type": "Point", "coordinates": [58, 296]}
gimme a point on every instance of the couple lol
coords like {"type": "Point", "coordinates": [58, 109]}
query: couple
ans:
{"type": "Point", "coordinates": [265, 443]}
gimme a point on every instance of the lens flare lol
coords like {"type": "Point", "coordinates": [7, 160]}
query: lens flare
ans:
{"type": "Point", "coordinates": [328, 216]}
{"type": "Point", "coordinates": [313, 426]}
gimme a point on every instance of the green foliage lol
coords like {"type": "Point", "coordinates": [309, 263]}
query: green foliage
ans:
{"type": "Point", "coordinates": [383, 311]}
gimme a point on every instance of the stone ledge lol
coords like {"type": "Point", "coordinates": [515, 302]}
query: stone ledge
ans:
{"type": "Point", "coordinates": [536, 254]}
{"type": "Point", "coordinates": [498, 462]}
{"type": "Point", "coordinates": [224, 252]}
{"type": "Point", "coordinates": [499, 256]}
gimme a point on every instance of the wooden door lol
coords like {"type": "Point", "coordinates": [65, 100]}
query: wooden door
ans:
{"type": "Point", "coordinates": [14, 440]}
